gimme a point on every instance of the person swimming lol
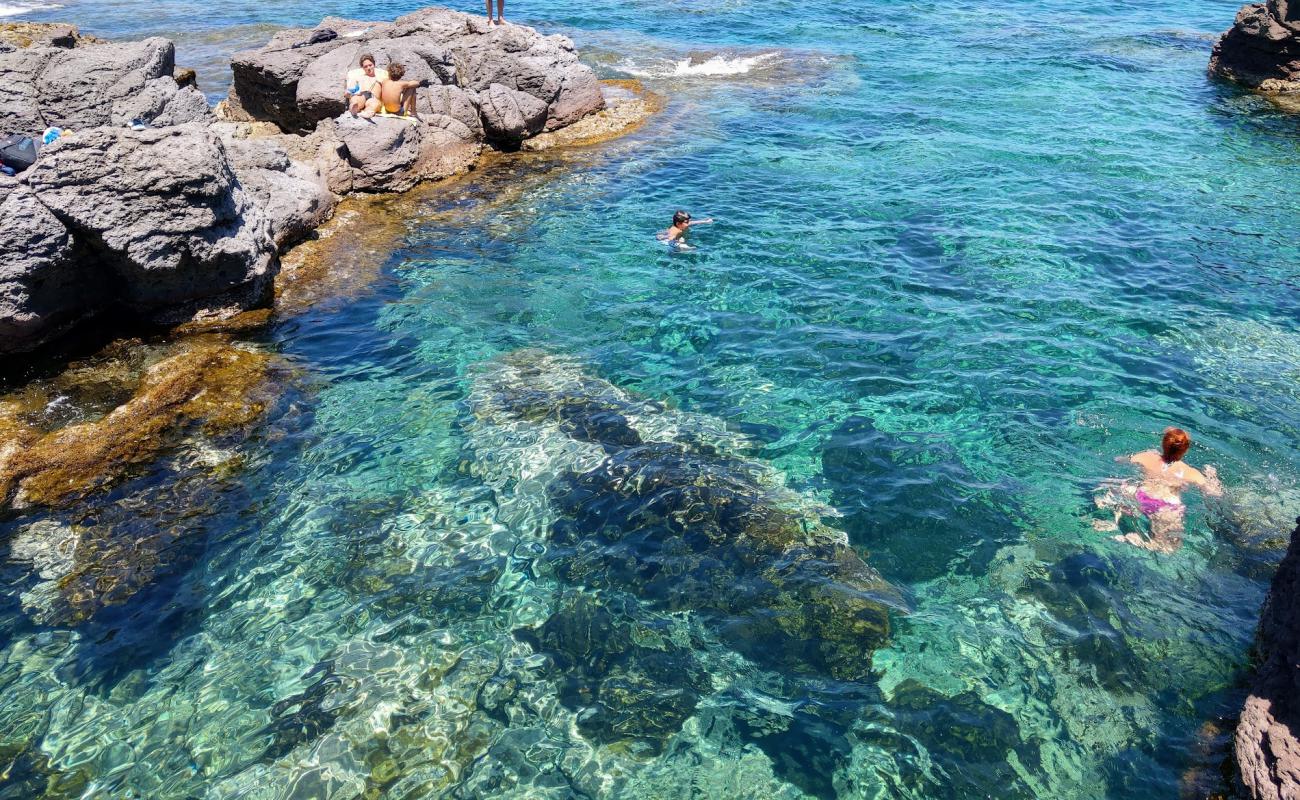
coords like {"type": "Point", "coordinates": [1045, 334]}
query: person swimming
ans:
{"type": "Point", "coordinates": [1158, 496]}
{"type": "Point", "coordinates": [676, 233]}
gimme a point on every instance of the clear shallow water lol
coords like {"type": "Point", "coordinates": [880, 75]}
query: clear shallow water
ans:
{"type": "Point", "coordinates": [964, 258]}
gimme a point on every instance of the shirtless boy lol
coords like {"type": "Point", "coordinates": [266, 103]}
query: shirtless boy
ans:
{"type": "Point", "coordinates": [676, 233]}
{"type": "Point", "coordinates": [397, 96]}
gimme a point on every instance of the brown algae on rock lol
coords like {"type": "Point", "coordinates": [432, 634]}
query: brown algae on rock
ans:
{"type": "Point", "coordinates": [628, 104]}
{"type": "Point", "coordinates": [209, 382]}
{"type": "Point", "coordinates": [345, 256]}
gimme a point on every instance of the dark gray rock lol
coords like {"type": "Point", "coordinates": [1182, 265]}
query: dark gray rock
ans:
{"type": "Point", "coordinates": [299, 88]}
{"type": "Point", "coordinates": [19, 73]}
{"type": "Point", "coordinates": [320, 90]}
{"type": "Point", "coordinates": [44, 287]}
{"type": "Point", "coordinates": [1262, 49]}
{"type": "Point", "coordinates": [265, 83]}
{"type": "Point", "coordinates": [1268, 751]}
{"type": "Point", "coordinates": [82, 87]}
{"type": "Point", "coordinates": [93, 85]}
{"type": "Point", "coordinates": [453, 109]}
{"type": "Point", "coordinates": [161, 102]}
{"type": "Point", "coordinates": [164, 212]}
{"type": "Point", "coordinates": [510, 116]}
{"type": "Point", "coordinates": [292, 194]}
{"type": "Point", "coordinates": [393, 155]}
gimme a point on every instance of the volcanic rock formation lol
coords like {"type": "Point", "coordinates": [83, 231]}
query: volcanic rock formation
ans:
{"type": "Point", "coordinates": [152, 208]}
{"type": "Point", "coordinates": [1268, 750]}
{"type": "Point", "coordinates": [520, 82]}
{"type": "Point", "coordinates": [1262, 49]}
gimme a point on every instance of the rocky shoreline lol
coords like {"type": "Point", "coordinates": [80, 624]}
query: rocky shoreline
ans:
{"type": "Point", "coordinates": [155, 208]}
{"type": "Point", "coordinates": [1267, 750]}
{"type": "Point", "coordinates": [1262, 51]}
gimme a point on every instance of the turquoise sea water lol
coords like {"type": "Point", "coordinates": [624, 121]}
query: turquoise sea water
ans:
{"type": "Point", "coordinates": [964, 257]}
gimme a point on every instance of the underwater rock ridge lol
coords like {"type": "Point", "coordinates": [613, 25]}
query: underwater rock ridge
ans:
{"type": "Point", "coordinates": [660, 507]}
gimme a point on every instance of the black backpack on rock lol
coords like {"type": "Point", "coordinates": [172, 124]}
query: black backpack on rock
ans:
{"type": "Point", "coordinates": [18, 151]}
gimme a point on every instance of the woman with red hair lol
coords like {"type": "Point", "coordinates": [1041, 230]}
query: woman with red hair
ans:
{"type": "Point", "coordinates": [1159, 496]}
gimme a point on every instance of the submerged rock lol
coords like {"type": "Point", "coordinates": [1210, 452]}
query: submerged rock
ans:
{"type": "Point", "coordinates": [1262, 50]}
{"type": "Point", "coordinates": [653, 502]}
{"type": "Point", "coordinates": [1268, 750]}
{"type": "Point", "coordinates": [622, 672]}
{"type": "Point", "coordinates": [210, 383]}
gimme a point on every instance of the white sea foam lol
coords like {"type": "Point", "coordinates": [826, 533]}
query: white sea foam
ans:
{"type": "Point", "coordinates": [719, 65]}
{"type": "Point", "coordinates": [17, 9]}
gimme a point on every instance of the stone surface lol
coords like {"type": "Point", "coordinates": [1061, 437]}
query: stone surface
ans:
{"type": "Point", "coordinates": [163, 212]}
{"type": "Point", "coordinates": [298, 88]}
{"type": "Point", "coordinates": [91, 85]}
{"type": "Point", "coordinates": [83, 87]}
{"type": "Point", "coordinates": [1262, 49]}
{"type": "Point", "coordinates": [1268, 750]}
{"type": "Point", "coordinates": [387, 154]}
{"type": "Point", "coordinates": [44, 287]}
{"type": "Point", "coordinates": [293, 195]}
{"type": "Point", "coordinates": [510, 116]}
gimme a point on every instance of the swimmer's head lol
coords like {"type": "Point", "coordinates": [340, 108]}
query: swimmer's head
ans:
{"type": "Point", "coordinates": [1174, 444]}
{"type": "Point", "coordinates": [681, 218]}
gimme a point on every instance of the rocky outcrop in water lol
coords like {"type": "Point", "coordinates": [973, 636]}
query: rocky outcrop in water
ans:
{"type": "Point", "coordinates": [188, 216]}
{"type": "Point", "coordinates": [520, 82]}
{"type": "Point", "coordinates": [165, 221]}
{"type": "Point", "coordinates": [1262, 49]}
{"type": "Point", "coordinates": [1268, 732]}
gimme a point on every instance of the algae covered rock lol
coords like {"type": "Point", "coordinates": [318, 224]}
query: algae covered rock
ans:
{"type": "Point", "coordinates": [622, 673]}
{"type": "Point", "coordinates": [654, 503]}
{"type": "Point", "coordinates": [211, 384]}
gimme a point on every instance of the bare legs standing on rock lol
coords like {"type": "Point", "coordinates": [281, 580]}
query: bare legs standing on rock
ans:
{"type": "Point", "coordinates": [501, 10]}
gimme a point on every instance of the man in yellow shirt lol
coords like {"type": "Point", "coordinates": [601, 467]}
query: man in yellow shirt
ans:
{"type": "Point", "coordinates": [361, 87]}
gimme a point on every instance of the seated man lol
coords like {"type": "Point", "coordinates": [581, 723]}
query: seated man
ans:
{"type": "Point", "coordinates": [361, 87]}
{"type": "Point", "coordinates": [397, 96]}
